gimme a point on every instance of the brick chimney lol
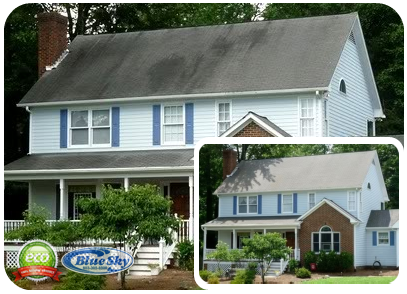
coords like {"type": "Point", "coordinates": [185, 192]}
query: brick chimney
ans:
{"type": "Point", "coordinates": [52, 39]}
{"type": "Point", "coordinates": [229, 162]}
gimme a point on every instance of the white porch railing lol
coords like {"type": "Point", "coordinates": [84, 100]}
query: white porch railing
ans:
{"type": "Point", "coordinates": [183, 231]}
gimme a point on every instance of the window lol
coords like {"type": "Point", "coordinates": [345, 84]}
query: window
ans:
{"type": "Point", "coordinates": [311, 200]}
{"type": "Point", "coordinates": [248, 204]}
{"type": "Point", "coordinates": [383, 238]}
{"type": "Point", "coordinates": [288, 203]}
{"type": "Point", "coordinates": [223, 117]}
{"type": "Point", "coordinates": [369, 186]}
{"type": "Point", "coordinates": [342, 86]}
{"type": "Point", "coordinates": [173, 124]}
{"type": "Point", "coordinates": [90, 128]}
{"type": "Point", "coordinates": [325, 240]}
{"type": "Point", "coordinates": [307, 117]}
{"type": "Point", "coordinates": [370, 128]}
{"type": "Point", "coordinates": [351, 200]}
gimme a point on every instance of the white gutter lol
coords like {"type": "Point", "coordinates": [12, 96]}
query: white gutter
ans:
{"type": "Point", "coordinates": [185, 96]}
{"type": "Point", "coordinates": [29, 129]}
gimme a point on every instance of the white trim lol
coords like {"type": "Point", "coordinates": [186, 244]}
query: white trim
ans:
{"type": "Point", "coordinates": [351, 218]}
{"type": "Point", "coordinates": [250, 226]}
{"type": "Point", "coordinates": [356, 201]}
{"type": "Point", "coordinates": [182, 96]}
{"type": "Point", "coordinates": [173, 143]}
{"type": "Point", "coordinates": [238, 126]}
{"type": "Point", "coordinates": [217, 102]}
{"type": "Point", "coordinates": [388, 238]}
{"type": "Point", "coordinates": [248, 205]}
{"type": "Point", "coordinates": [282, 203]}
{"type": "Point", "coordinates": [315, 199]}
{"type": "Point", "coordinates": [283, 191]}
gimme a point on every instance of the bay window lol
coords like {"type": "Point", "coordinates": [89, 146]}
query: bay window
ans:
{"type": "Point", "coordinates": [90, 128]}
{"type": "Point", "coordinates": [173, 124]}
{"type": "Point", "coordinates": [307, 117]}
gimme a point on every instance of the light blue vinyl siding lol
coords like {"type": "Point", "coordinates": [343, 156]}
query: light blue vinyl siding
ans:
{"type": "Point", "coordinates": [387, 255]}
{"type": "Point", "coordinates": [348, 113]}
{"type": "Point", "coordinates": [44, 195]}
{"type": "Point", "coordinates": [45, 130]}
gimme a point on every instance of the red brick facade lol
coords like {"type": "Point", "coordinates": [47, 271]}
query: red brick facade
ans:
{"type": "Point", "coordinates": [229, 162]}
{"type": "Point", "coordinates": [326, 215]}
{"type": "Point", "coordinates": [52, 39]}
{"type": "Point", "coordinates": [253, 130]}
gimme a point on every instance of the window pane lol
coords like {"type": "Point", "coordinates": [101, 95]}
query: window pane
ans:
{"type": "Point", "coordinates": [227, 107]}
{"type": "Point", "coordinates": [288, 199]}
{"type": "Point", "coordinates": [336, 237]}
{"type": "Point", "coordinates": [252, 208]}
{"type": "Point", "coordinates": [336, 247]}
{"type": "Point", "coordinates": [253, 200]}
{"type": "Point", "coordinates": [242, 200]}
{"type": "Point", "coordinates": [101, 136]}
{"type": "Point", "coordinates": [316, 247]}
{"type": "Point", "coordinates": [100, 118]}
{"type": "Point", "coordinates": [221, 107]}
{"type": "Point", "coordinates": [242, 209]}
{"type": "Point", "coordinates": [315, 237]}
{"type": "Point", "coordinates": [326, 246]}
{"type": "Point", "coordinates": [79, 137]}
{"type": "Point", "coordinates": [173, 133]}
{"type": "Point", "coordinates": [326, 237]}
{"type": "Point", "coordinates": [326, 229]}
{"type": "Point", "coordinates": [79, 119]}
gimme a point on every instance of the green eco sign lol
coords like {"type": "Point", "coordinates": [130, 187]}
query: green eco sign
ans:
{"type": "Point", "coordinates": [37, 260]}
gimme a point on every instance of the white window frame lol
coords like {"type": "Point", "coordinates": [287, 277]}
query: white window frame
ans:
{"type": "Point", "coordinates": [356, 200]}
{"type": "Point", "coordinates": [315, 199]}
{"type": "Point", "coordinates": [326, 117]}
{"type": "Point", "coordinates": [388, 238]}
{"type": "Point", "coordinates": [217, 115]}
{"type": "Point", "coordinates": [306, 118]}
{"type": "Point", "coordinates": [174, 143]}
{"type": "Point", "coordinates": [332, 232]}
{"type": "Point", "coordinates": [90, 127]}
{"type": "Point", "coordinates": [292, 202]}
{"type": "Point", "coordinates": [247, 204]}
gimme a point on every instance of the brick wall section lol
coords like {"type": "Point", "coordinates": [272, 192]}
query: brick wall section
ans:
{"type": "Point", "coordinates": [326, 215]}
{"type": "Point", "coordinates": [52, 39]}
{"type": "Point", "coordinates": [229, 161]}
{"type": "Point", "coordinates": [253, 130]}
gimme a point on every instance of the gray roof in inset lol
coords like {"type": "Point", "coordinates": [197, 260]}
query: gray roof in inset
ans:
{"type": "Point", "coordinates": [318, 172]}
{"type": "Point", "coordinates": [265, 55]}
{"type": "Point", "coordinates": [383, 218]}
{"type": "Point", "coordinates": [104, 160]}
{"type": "Point", "coordinates": [253, 221]}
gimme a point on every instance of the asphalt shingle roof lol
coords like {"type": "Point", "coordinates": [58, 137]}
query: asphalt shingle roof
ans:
{"type": "Point", "coordinates": [383, 218]}
{"type": "Point", "coordinates": [318, 172]}
{"type": "Point", "coordinates": [265, 55]}
{"type": "Point", "coordinates": [98, 160]}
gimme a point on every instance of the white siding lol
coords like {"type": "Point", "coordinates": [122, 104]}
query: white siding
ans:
{"type": "Point", "coordinates": [387, 255]}
{"type": "Point", "coordinates": [44, 194]}
{"type": "Point", "coordinates": [45, 130]}
{"type": "Point", "coordinates": [348, 113]}
{"type": "Point", "coordinates": [225, 236]}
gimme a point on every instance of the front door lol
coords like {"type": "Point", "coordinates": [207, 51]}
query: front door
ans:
{"type": "Point", "coordinates": [290, 237]}
{"type": "Point", "coordinates": [179, 193]}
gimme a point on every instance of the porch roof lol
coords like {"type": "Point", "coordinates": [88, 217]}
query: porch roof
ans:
{"type": "Point", "coordinates": [103, 161]}
{"type": "Point", "coordinates": [253, 222]}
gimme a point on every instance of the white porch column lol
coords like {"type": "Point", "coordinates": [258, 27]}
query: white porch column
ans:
{"type": "Point", "coordinates": [296, 244]}
{"type": "Point", "coordinates": [63, 202]}
{"type": "Point", "coordinates": [204, 244]}
{"type": "Point", "coordinates": [126, 184]}
{"type": "Point", "coordinates": [99, 189]}
{"type": "Point", "coordinates": [264, 231]}
{"type": "Point", "coordinates": [234, 239]}
{"type": "Point", "coordinates": [191, 208]}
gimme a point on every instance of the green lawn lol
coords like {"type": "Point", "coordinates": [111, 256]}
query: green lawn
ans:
{"type": "Point", "coordinates": [353, 280]}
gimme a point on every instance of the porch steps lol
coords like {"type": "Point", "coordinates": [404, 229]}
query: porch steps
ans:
{"type": "Point", "coordinates": [275, 267]}
{"type": "Point", "coordinates": [145, 255]}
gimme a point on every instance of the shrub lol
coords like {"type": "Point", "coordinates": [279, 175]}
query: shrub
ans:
{"type": "Point", "coordinates": [345, 261]}
{"type": "Point", "coordinates": [310, 257]}
{"type": "Point", "coordinates": [253, 266]}
{"type": "Point", "coordinates": [204, 274]}
{"type": "Point", "coordinates": [302, 273]}
{"type": "Point", "coordinates": [293, 265]}
{"type": "Point", "coordinates": [185, 255]}
{"type": "Point", "coordinates": [213, 279]}
{"type": "Point", "coordinates": [77, 281]}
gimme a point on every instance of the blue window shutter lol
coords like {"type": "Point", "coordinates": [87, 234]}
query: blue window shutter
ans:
{"type": "Point", "coordinates": [391, 238]}
{"type": "Point", "coordinates": [63, 134]}
{"type": "Point", "coordinates": [295, 202]}
{"type": "Point", "coordinates": [259, 204]}
{"type": "Point", "coordinates": [279, 203]}
{"type": "Point", "coordinates": [156, 124]}
{"type": "Point", "coordinates": [115, 126]}
{"type": "Point", "coordinates": [374, 235]}
{"type": "Point", "coordinates": [234, 205]}
{"type": "Point", "coordinates": [189, 123]}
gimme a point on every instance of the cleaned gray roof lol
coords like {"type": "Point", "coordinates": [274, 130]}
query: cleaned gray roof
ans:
{"type": "Point", "coordinates": [96, 160]}
{"type": "Point", "coordinates": [255, 56]}
{"type": "Point", "coordinates": [248, 221]}
{"type": "Point", "coordinates": [383, 218]}
{"type": "Point", "coordinates": [331, 171]}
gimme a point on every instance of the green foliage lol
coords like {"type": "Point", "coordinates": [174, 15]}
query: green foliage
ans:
{"type": "Point", "coordinates": [236, 255]}
{"type": "Point", "coordinates": [77, 281]}
{"type": "Point", "coordinates": [24, 284]}
{"type": "Point", "coordinates": [302, 273]}
{"type": "Point", "coordinates": [185, 255]}
{"type": "Point", "coordinates": [204, 274]}
{"type": "Point", "coordinates": [221, 253]}
{"type": "Point", "coordinates": [330, 261]}
{"type": "Point", "coordinates": [293, 265]}
{"type": "Point", "coordinates": [244, 277]}
{"type": "Point", "coordinates": [310, 257]}
{"type": "Point", "coordinates": [265, 248]}
{"type": "Point", "coordinates": [213, 279]}
{"type": "Point", "coordinates": [345, 261]}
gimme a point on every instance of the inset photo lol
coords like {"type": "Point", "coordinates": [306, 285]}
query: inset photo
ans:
{"type": "Point", "coordinates": [299, 213]}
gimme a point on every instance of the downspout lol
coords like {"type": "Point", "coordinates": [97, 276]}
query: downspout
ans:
{"type": "Point", "coordinates": [27, 108]}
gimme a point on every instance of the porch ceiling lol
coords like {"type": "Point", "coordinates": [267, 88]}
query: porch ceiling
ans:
{"type": "Point", "coordinates": [253, 222]}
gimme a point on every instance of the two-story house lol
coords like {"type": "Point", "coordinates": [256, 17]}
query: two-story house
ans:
{"type": "Point", "coordinates": [128, 108]}
{"type": "Point", "coordinates": [323, 202]}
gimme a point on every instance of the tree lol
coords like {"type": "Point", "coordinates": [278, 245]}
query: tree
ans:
{"type": "Point", "coordinates": [128, 217]}
{"type": "Point", "coordinates": [221, 253]}
{"type": "Point", "coordinates": [265, 248]}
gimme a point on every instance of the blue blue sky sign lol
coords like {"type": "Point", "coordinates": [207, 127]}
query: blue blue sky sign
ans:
{"type": "Point", "coordinates": [97, 261]}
